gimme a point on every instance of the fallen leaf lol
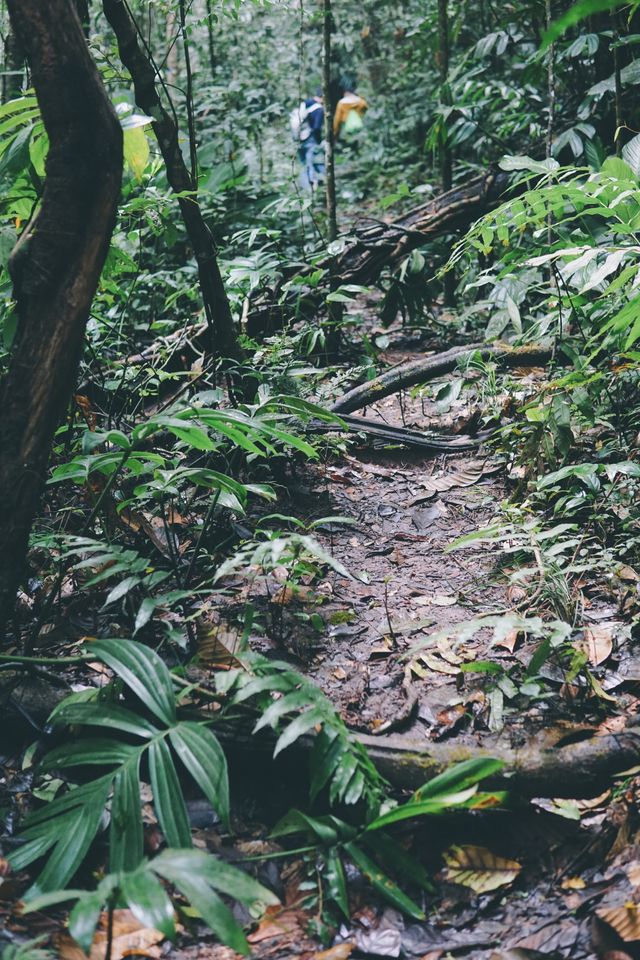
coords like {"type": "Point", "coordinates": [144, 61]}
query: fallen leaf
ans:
{"type": "Point", "coordinates": [440, 666]}
{"type": "Point", "coordinates": [633, 873]}
{"type": "Point", "coordinates": [479, 868]}
{"type": "Point", "coordinates": [340, 952]}
{"type": "Point", "coordinates": [217, 645]}
{"type": "Point", "coordinates": [340, 674]}
{"type": "Point", "coordinates": [130, 938]}
{"type": "Point", "coordinates": [596, 643]}
{"type": "Point", "coordinates": [573, 883]}
{"type": "Point", "coordinates": [464, 476]}
{"type": "Point", "coordinates": [625, 920]}
{"type": "Point", "coordinates": [509, 641]}
{"type": "Point", "coordinates": [443, 600]}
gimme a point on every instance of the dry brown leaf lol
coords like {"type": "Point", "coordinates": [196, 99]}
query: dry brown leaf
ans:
{"type": "Point", "coordinates": [633, 873]}
{"type": "Point", "coordinates": [279, 923]}
{"type": "Point", "coordinates": [573, 883]}
{"type": "Point", "coordinates": [340, 952]}
{"type": "Point", "coordinates": [340, 674]}
{"type": "Point", "coordinates": [440, 666]}
{"type": "Point", "coordinates": [129, 938]}
{"type": "Point", "coordinates": [443, 600]}
{"type": "Point", "coordinates": [625, 572]}
{"type": "Point", "coordinates": [217, 645]}
{"type": "Point", "coordinates": [509, 641]}
{"type": "Point", "coordinates": [625, 920]}
{"type": "Point", "coordinates": [596, 643]}
{"type": "Point", "coordinates": [464, 476]}
{"type": "Point", "coordinates": [479, 868]}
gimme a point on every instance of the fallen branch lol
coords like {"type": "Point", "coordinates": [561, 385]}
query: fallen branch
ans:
{"type": "Point", "coordinates": [437, 365]}
{"type": "Point", "coordinates": [390, 434]}
{"type": "Point", "coordinates": [582, 769]}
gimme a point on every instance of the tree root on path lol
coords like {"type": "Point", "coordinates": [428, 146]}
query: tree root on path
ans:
{"type": "Point", "coordinates": [582, 769]}
{"type": "Point", "coordinates": [437, 365]}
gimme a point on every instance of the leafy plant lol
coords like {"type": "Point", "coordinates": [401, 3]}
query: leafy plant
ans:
{"type": "Point", "coordinates": [66, 827]}
{"type": "Point", "coordinates": [198, 876]}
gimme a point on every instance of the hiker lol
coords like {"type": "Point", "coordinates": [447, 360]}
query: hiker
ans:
{"type": "Point", "coordinates": [347, 120]}
{"type": "Point", "coordinates": [306, 123]}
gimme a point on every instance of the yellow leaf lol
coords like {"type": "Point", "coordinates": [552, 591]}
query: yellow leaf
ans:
{"type": "Point", "coordinates": [625, 920]}
{"type": "Point", "coordinates": [136, 150]}
{"type": "Point", "coordinates": [478, 868]}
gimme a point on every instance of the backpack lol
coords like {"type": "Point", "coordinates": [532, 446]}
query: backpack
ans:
{"type": "Point", "coordinates": [353, 124]}
{"type": "Point", "coordinates": [299, 124]}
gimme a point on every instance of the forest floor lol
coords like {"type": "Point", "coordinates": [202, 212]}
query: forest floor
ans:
{"type": "Point", "coordinates": [560, 875]}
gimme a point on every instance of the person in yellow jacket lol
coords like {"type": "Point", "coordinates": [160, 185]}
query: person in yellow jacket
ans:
{"type": "Point", "coordinates": [347, 119]}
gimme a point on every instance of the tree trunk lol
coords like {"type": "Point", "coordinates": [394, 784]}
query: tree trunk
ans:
{"type": "Point", "coordinates": [55, 265]}
{"type": "Point", "coordinates": [330, 172]}
{"type": "Point", "coordinates": [223, 336]}
{"type": "Point", "coordinates": [446, 157]}
{"type": "Point", "coordinates": [13, 76]}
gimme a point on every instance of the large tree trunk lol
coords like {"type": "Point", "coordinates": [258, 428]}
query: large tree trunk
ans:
{"type": "Point", "coordinates": [56, 264]}
{"type": "Point", "coordinates": [224, 341]}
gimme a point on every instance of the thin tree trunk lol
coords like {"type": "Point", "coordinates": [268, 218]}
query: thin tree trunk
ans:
{"type": "Point", "coordinates": [224, 341]}
{"type": "Point", "coordinates": [617, 73]}
{"type": "Point", "coordinates": [551, 83]}
{"type": "Point", "coordinates": [55, 265]}
{"type": "Point", "coordinates": [212, 49]}
{"type": "Point", "coordinates": [330, 172]}
{"type": "Point", "coordinates": [13, 75]}
{"type": "Point", "coordinates": [446, 157]}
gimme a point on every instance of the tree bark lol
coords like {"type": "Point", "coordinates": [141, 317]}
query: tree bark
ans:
{"type": "Point", "coordinates": [224, 340]}
{"type": "Point", "coordinates": [330, 170]}
{"type": "Point", "coordinates": [438, 365]}
{"type": "Point", "coordinates": [55, 265]}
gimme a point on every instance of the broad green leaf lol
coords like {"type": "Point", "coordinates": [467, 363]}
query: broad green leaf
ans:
{"type": "Point", "coordinates": [301, 725]}
{"type": "Point", "coordinates": [459, 777]}
{"type": "Point", "coordinates": [136, 150]}
{"type": "Point", "coordinates": [336, 881]}
{"type": "Point", "coordinates": [208, 904]}
{"type": "Point", "coordinates": [577, 12]}
{"type": "Point", "coordinates": [394, 854]}
{"type": "Point", "coordinates": [383, 884]}
{"type": "Point", "coordinates": [167, 795]}
{"type": "Point", "coordinates": [148, 901]}
{"type": "Point", "coordinates": [94, 752]}
{"type": "Point", "coordinates": [110, 715]}
{"type": "Point", "coordinates": [143, 671]}
{"type": "Point", "coordinates": [222, 876]}
{"type": "Point", "coordinates": [323, 828]}
{"type": "Point", "coordinates": [74, 835]}
{"type": "Point", "coordinates": [84, 917]}
{"type": "Point", "coordinates": [125, 835]}
{"type": "Point", "coordinates": [205, 761]}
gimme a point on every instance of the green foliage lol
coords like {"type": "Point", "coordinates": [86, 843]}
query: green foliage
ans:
{"type": "Point", "coordinates": [372, 849]}
{"type": "Point", "coordinates": [198, 876]}
{"type": "Point", "coordinates": [67, 825]}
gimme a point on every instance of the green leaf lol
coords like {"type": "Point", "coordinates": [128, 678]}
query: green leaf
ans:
{"type": "Point", "coordinates": [208, 904]}
{"type": "Point", "coordinates": [74, 834]}
{"type": "Point", "coordinates": [336, 881]}
{"type": "Point", "coordinates": [405, 866]}
{"type": "Point", "coordinates": [110, 715]}
{"type": "Point", "coordinates": [223, 876]}
{"type": "Point", "coordinates": [148, 901]}
{"type": "Point", "coordinates": [205, 761]}
{"type": "Point", "coordinates": [92, 752]}
{"type": "Point", "coordinates": [459, 777]}
{"type": "Point", "coordinates": [125, 835]}
{"type": "Point", "coordinates": [143, 671]}
{"type": "Point", "coordinates": [136, 150]}
{"type": "Point", "coordinates": [84, 917]}
{"type": "Point", "coordinates": [301, 725]}
{"type": "Point", "coordinates": [579, 11]}
{"type": "Point", "coordinates": [631, 154]}
{"type": "Point", "coordinates": [167, 796]}
{"type": "Point", "coordinates": [383, 884]}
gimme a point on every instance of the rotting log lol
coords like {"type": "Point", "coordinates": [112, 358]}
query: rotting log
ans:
{"type": "Point", "coordinates": [582, 769]}
{"type": "Point", "coordinates": [378, 245]}
{"type": "Point", "coordinates": [55, 265]}
{"type": "Point", "coordinates": [437, 365]}
{"type": "Point", "coordinates": [223, 334]}
{"type": "Point", "coordinates": [575, 770]}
